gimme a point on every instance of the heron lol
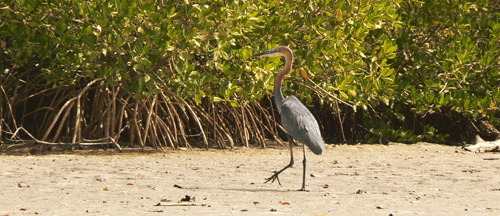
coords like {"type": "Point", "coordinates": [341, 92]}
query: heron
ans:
{"type": "Point", "coordinates": [297, 120]}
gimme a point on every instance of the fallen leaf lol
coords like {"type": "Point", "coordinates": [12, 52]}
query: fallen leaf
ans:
{"type": "Point", "coordinates": [187, 198]}
{"type": "Point", "coordinates": [23, 185]}
{"type": "Point", "coordinates": [156, 211]}
{"type": "Point", "coordinates": [360, 191]}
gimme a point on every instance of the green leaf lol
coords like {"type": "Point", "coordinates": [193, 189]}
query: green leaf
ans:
{"type": "Point", "coordinates": [217, 99]}
{"type": "Point", "coordinates": [234, 103]}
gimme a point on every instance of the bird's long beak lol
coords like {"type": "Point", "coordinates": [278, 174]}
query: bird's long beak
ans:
{"type": "Point", "coordinates": [269, 53]}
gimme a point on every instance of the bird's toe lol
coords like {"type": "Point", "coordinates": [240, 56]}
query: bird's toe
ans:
{"type": "Point", "coordinates": [273, 178]}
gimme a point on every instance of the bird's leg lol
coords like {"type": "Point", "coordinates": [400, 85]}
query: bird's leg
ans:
{"type": "Point", "coordinates": [276, 173]}
{"type": "Point", "coordinates": [304, 171]}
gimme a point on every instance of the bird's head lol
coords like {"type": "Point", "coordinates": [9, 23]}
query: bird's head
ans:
{"type": "Point", "coordinates": [278, 51]}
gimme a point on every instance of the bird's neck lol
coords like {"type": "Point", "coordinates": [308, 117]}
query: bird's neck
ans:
{"type": "Point", "coordinates": [278, 95]}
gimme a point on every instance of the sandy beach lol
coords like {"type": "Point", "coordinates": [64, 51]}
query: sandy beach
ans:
{"type": "Point", "coordinates": [395, 179]}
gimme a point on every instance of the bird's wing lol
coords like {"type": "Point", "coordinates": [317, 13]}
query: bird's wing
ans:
{"type": "Point", "coordinates": [299, 122]}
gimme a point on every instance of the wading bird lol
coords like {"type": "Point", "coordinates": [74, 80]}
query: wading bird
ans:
{"type": "Point", "coordinates": [297, 120]}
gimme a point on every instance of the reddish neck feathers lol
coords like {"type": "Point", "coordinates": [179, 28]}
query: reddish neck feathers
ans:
{"type": "Point", "coordinates": [278, 95]}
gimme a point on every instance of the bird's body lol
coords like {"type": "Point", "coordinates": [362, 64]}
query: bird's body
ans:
{"type": "Point", "coordinates": [297, 120]}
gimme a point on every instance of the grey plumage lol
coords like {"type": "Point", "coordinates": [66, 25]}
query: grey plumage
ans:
{"type": "Point", "coordinates": [297, 120]}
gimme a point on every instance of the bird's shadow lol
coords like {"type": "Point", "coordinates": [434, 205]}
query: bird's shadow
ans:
{"type": "Point", "coordinates": [244, 189]}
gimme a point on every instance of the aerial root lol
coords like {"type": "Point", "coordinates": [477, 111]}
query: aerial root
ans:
{"type": "Point", "coordinates": [85, 142]}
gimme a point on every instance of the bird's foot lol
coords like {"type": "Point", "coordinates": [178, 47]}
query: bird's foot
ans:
{"type": "Point", "coordinates": [273, 178]}
{"type": "Point", "coordinates": [303, 189]}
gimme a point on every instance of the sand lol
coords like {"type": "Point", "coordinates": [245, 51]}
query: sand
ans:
{"type": "Point", "coordinates": [395, 179]}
